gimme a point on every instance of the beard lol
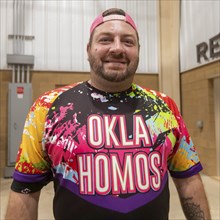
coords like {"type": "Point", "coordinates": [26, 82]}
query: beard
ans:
{"type": "Point", "coordinates": [113, 75]}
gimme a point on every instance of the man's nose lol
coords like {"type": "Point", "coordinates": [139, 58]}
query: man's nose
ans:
{"type": "Point", "coordinates": [117, 46]}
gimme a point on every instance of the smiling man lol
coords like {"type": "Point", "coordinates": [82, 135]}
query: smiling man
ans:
{"type": "Point", "coordinates": [108, 144]}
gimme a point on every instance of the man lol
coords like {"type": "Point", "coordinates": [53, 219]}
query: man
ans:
{"type": "Point", "coordinates": [107, 144]}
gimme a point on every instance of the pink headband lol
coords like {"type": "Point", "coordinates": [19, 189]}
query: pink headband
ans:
{"type": "Point", "coordinates": [100, 19]}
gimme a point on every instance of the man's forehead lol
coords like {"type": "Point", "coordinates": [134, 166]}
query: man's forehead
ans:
{"type": "Point", "coordinates": [115, 26]}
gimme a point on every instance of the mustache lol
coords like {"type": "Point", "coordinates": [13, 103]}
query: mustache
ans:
{"type": "Point", "coordinates": [116, 56]}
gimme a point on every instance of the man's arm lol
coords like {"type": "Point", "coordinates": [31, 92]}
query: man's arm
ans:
{"type": "Point", "coordinates": [193, 198]}
{"type": "Point", "coordinates": [22, 206]}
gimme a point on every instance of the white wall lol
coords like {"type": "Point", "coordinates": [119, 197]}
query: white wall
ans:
{"type": "Point", "coordinates": [200, 21]}
{"type": "Point", "coordinates": [61, 31]}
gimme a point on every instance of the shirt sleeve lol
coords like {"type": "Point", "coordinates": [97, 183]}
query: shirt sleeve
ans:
{"type": "Point", "coordinates": [32, 168]}
{"type": "Point", "coordinates": [184, 160]}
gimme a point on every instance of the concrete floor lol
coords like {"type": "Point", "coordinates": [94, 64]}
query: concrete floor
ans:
{"type": "Point", "coordinates": [212, 186]}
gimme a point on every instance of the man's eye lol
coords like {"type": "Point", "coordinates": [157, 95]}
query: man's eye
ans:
{"type": "Point", "coordinates": [105, 40]}
{"type": "Point", "coordinates": [129, 42]}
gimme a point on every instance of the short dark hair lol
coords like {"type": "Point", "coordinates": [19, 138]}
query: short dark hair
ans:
{"type": "Point", "coordinates": [113, 11]}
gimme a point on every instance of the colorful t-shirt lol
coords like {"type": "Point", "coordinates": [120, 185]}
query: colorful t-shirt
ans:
{"type": "Point", "coordinates": [108, 154]}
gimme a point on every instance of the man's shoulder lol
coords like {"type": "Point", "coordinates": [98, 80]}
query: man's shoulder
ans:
{"type": "Point", "coordinates": [48, 97]}
{"type": "Point", "coordinates": [61, 89]}
{"type": "Point", "coordinates": [154, 94]}
{"type": "Point", "coordinates": [151, 91]}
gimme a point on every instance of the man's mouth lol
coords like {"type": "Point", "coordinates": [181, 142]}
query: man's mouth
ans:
{"type": "Point", "coordinates": [116, 61]}
{"type": "Point", "coordinates": [116, 64]}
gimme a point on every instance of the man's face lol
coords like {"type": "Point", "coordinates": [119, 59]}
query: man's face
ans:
{"type": "Point", "coordinates": [114, 51]}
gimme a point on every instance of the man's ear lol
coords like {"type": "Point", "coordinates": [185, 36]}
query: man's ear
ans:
{"type": "Point", "coordinates": [88, 47]}
{"type": "Point", "coordinates": [88, 50]}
